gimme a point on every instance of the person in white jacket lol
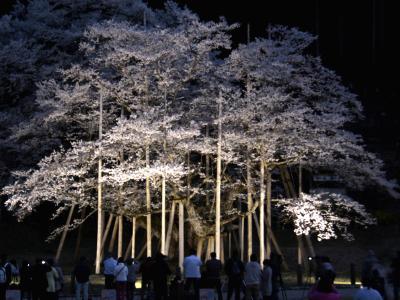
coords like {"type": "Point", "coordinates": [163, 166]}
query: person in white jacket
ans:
{"type": "Point", "coordinates": [121, 277]}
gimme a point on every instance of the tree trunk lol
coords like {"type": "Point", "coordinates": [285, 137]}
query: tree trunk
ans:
{"type": "Point", "coordinates": [181, 234]}
{"type": "Point", "coordinates": [170, 226]}
{"type": "Point", "coordinates": [100, 214]}
{"type": "Point", "coordinates": [64, 234]}
{"type": "Point", "coordinates": [262, 207]}
{"type": "Point", "coordinates": [218, 184]}
{"type": "Point", "coordinates": [148, 206]}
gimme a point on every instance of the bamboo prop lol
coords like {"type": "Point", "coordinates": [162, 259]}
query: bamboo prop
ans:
{"type": "Point", "coordinates": [113, 236]}
{"type": "Point", "coordinates": [181, 234]}
{"type": "Point", "coordinates": [262, 198]}
{"type": "Point", "coordinates": [64, 234]}
{"type": "Point", "coordinates": [148, 206]}
{"type": "Point", "coordinates": [128, 249]}
{"type": "Point", "coordinates": [105, 234]}
{"type": "Point", "coordinates": [268, 217]}
{"type": "Point", "coordinates": [200, 244]}
{"type": "Point", "coordinates": [218, 183]}
{"type": "Point", "coordinates": [141, 252]}
{"type": "Point", "coordinates": [79, 237]}
{"type": "Point", "coordinates": [133, 239]}
{"type": "Point", "coordinates": [170, 226]}
{"type": "Point", "coordinates": [241, 238]}
{"type": "Point", "coordinates": [229, 244]}
{"type": "Point", "coordinates": [222, 258]}
{"type": "Point", "coordinates": [120, 235]}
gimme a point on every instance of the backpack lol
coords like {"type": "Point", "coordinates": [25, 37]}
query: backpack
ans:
{"type": "Point", "coordinates": [3, 275]}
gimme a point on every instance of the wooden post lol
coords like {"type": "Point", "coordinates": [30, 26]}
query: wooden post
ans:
{"type": "Point", "coordinates": [262, 207]}
{"type": "Point", "coordinates": [106, 232]}
{"type": "Point", "coordinates": [128, 249]}
{"type": "Point", "coordinates": [222, 249]}
{"type": "Point", "coordinates": [163, 215]}
{"type": "Point", "coordinates": [120, 235]}
{"type": "Point", "coordinates": [181, 234]}
{"type": "Point", "coordinates": [218, 183]}
{"type": "Point", "coordinates": [200, 243]}
{"type": "Point", "coordinates": [268, 215]}
{"type": "Point", "coordinates": [242, 239]}
{"type": "Point", "coordinates": [113, 236]}
{"type": "Point", "coordinates": [249, 209]}
{"type": "Point", "coordinates": [170, 226]}
{"type": "Point", "coordinates": [133, 239]}
{"type": "Point", "coordinates": [230, 244]}
{"type": "Point", "coordinates": [100, 214]}
{"type": "Point", "coordinates": [79, 237]}
{"type": "Point", "coordinates": [64, 234]}
{"type": "Point", "coordinates": [148, 206]}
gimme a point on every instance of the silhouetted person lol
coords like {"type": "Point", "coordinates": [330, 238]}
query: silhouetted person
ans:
{"type": "Point", "coordinates": [109, 265]}
{"type": "Point", "coordinates": [266, 280]}
{"type": "Point", "coordinates": [277, 282]}
{"type": "Point", "coordinates": [52, 277]}
{"type": "Point", "coordinates": [191, 266]}
{"type": "Point", "coordinates": [396, 276]}
{"type": "Point", "coordinates": [366, 292]}
{"type": "Point", "coordinates": [161, 272]}
{"type": "Point", "coordinates": [80, 277]}
{"type": "Point", "coordinates": [25, 282]}
{"type": "Point", "coordinates": [121, 278]}
{"type": "Point", "coordinates": [12, 272]}
{"type": "Point", "coordinates": [252, 278]}
{"type": "Point", "coordinates": [213, 273]}
{"type": "Point", "coordinates": [3, 278]}
{"type": "Point", "coordinates": [146, 269]}
{"type": "Point", "coordinates": [175, 289]}
{"type": "Point", "coordinates": [324, 289]}
{"type": "Point", "coordinates": [39, 280]}
{"type": "Point", "coordinates": [234, 269]}
{"type": "Point", "coordinates": [133, 269]}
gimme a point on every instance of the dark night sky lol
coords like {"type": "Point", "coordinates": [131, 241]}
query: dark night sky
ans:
{"type": "Point", "coordinates": [356, 38]}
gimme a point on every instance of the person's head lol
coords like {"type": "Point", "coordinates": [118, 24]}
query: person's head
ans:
{"type": "Point", "coordinates": [325, 284]}
{"type": "Point", "coordinates": [267, 262]}
{"type": "Point", "coordinates": [213, 255]}
{"type": "Point", "coordinates": [192, 252]}
{"type": "Point", "coordinates": [82, 260]}
{"type": "Point", "coordinates": [235, 255]}
{"type": "Point", "coordinates": [160, 256]}
{"type": "Point", "coordinates": [129, 261]}
{"type": "Point", "coordinates": [120, 260]}
{"type": "Point", "coordinates": [50, 262]}
{"type": "Point", "coordinates": [366, 281]}
{"type": "Point", "coordinates": [3, 258]}
{"type": "Point", "coordinates": [13, 261]}
{"type": "Point", "coordinates": [253, 257]}
{"type": "Point", "coordinates": [326, 259]}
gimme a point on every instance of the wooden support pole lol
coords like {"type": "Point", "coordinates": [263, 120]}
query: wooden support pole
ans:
{"type": "Point", "coordinates": [241, 233]}
{"type": "Point", "coordinates": [163, 215]}
{"type": "Point", "coordinates": [268, 220]}
{"type": "Point", "coordinates": [113, 236]}
{"type": "Point", "coordinates": [133, 239]}
{"type": "Point", "coordinates": [79, 237]}
{"type": "Point", "coordinates": [181, 234]}
{"type": "Point", "coordinates": [230, 244]}
{"type": "Point", "coordinates": [148, 206]}
{"type": "Point", "coordinates": [106, 232]}
{"type": "Point", "coordinates": [262, 207]}
{"type": "Point", "coordinates": [120, 235]}
{"type": "Point", "coordinates": [222, 257]}
{"type": "Point", "coordinates": [65, 231]}
{"type": "Point", "coordinates": [200, 243]}
{"type": "Point", "coordinates": [128, 250]}
{"type": "Point", "coordinates": [170, 226]}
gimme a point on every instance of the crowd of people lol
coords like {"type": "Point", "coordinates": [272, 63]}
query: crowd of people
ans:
{"type": "Point", "coordinates": [44, 280]}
